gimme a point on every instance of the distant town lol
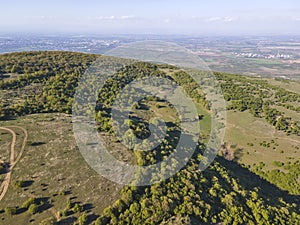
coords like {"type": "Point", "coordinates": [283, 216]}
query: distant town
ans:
{"type": "Point", "coordinates": [275, 56]}
{"type": "Point", "coordinates": [75, 43]}
{"type": "Point", "coordinates": [263, 56]}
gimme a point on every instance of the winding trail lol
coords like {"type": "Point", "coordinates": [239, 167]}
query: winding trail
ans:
{"type": "Point", "coordinates": [5, 184]}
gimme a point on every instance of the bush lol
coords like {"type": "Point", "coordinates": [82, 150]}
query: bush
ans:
{"type": "Point", "coordinates": [27, 203]}
{"type": "Point", "coordinates": [19, 183]}
{"type": "Point", "coordinates": [32, 209]}
{"type": "Point", "coordinates": [77, 208]}
{"type": "Point", "coordinates": [10, 211]}
{"type": "Point", "coordinates": [82, 219]}
{"type": "Point", "coordinates": [48, 221]}
{"type": "Point", "coordinates": [277, 163]}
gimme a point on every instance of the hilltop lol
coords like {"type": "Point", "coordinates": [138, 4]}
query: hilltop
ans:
{"type": "Point", "coordinates": [254, 179]}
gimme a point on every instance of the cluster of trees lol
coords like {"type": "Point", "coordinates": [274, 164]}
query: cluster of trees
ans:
{"type": "Point", "coordinates": [113, 87]}
{"type": "Point", "coordinates": [260, 98]}
{"type": "Point", "coordinates": [43, 61]}
{"type": "Point", "coordinates": [31, 205]}
{"type": "Point", "coordinates": [56, 72]}
{"type": "Point", "coordinates": [191, 87]}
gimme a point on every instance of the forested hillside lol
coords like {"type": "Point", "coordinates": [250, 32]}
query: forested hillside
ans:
{"type": "Point", "coordinates": [228, 192]}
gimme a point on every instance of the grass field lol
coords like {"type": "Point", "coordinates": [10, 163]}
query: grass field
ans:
{"type": "Point", "coordinates": [243, 131]}
{"type": "Point", "coordinates": [286, 84]}
{"type": "Point", "coordinates": [54, 172]}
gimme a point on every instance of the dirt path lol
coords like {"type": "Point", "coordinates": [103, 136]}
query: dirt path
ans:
{"type": "Point", "coordinates": [5, 184]}
{"type": "Point", "coordinates": [23, 144]}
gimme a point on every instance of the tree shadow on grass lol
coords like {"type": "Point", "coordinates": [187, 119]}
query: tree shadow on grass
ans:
{"type": "Point", "coordinates": [27, 183]}
{"type": "Point", "coordinates": [67, 221]}
{"type": "Point", "coordinates": [91, 218]}
{"type": "Point", "coordinates": [250, 180]}
{"type": "Point", "coordinates": [87, 207]}
{"type": "Point", "coordinates": [44, 204]}
{"type": "Point", "coordinates": [37, 143]}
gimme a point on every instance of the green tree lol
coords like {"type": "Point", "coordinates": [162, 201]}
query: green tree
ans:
{"type": "Point", "coordinates": [32, 209]}
{"type": "Point", "coordinates": [82, 219]}
{"type": "Point", "coordinates": [10, 211]}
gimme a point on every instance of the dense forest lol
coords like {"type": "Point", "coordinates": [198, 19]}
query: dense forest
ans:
{"type": "Point", "coordinates": [225, 193]}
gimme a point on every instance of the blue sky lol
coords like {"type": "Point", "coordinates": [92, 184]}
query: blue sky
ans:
{"type": "Point", "coordinates": [152, 16]}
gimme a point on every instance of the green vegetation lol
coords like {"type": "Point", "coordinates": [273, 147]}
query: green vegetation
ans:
{"type": "Point", "coordinates": [269, 145]}
{"type": "Point", "coordinates": [47, 79]}
{"type": "Point", "coordinates": [10, 211]}
{"type": "Point", "coordinates": [260, 98]}
{"type": "Point", "coordinates": [19, 183]}
{"type": "Point", "coordinates": [32, 208]}
{"type": "Point", "coordinates": [240, 189]}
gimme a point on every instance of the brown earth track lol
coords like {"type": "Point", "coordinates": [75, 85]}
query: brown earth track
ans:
{"type": "Point", "coordinates": [5, 184]}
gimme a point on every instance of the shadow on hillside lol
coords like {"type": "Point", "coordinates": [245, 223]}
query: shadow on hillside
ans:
{"type": "Point", "coordinates": [250, 180]}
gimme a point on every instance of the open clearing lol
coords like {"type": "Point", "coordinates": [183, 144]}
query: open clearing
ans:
{"type": "Point", "coordinates": [244, 130]}
{"type": "Point", "coordinates": [52, 169]}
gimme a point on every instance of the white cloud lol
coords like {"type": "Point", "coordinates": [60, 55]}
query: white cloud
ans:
{"type": "Point", "coordinates": [167, 20]}
{"type": "Point", "coordinates": [213, 19]}
{"type": "Point", "coordinates": [225, 19]}
{"type": "Point", "coordinates": [47, 17]}
{"type": "Point", "coordinates": [297, 18]}
{"type": "Point", "coordinates": [114, 17]}
{"type": "Point", "coordinates": [126, 17]}
{"type": "Point", "coordinates": [228, 19]}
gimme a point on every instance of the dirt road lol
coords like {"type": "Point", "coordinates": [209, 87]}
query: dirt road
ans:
{"type": "Point", "coordinates": [12, 161]}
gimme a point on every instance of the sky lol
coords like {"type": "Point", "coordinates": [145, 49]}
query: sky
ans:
{"type": "Point", "coordinates": [203, 17]}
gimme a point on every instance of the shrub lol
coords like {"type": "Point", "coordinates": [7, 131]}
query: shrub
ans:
{"type": "Point", "coordinates": [32, 209]}
{"type": "Point", "coordinates": [28, 202]}
{"type": "Point", "coordinates": [19, 184]}
{"type": "Point", "coordinates": [77, 208]}
{"type": "Point", "coordinates": [10, 211]}
{"type": "Point", "coordinates": [277, 163]}
{"type": "Point", "coordinates": [48, 221]}
{"type": "Point", "coordinates": [82, 219]}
